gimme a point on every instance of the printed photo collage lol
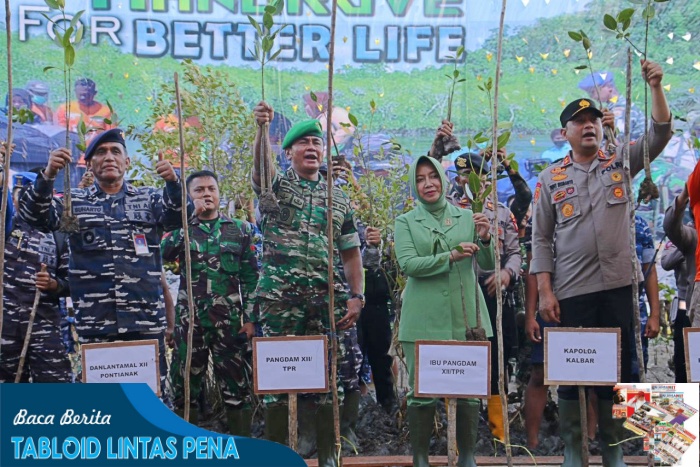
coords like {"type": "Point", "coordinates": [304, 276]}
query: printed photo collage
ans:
{"type": "Point", "coordinates": [658, 415]}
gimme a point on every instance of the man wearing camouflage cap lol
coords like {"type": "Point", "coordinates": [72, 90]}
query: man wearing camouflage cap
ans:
{"type": "Point", "coordinates": [292, 292]}
{"type": "Point", "coordinates": [115, 263]}
{"type": "Point", "coordinates": [581, 212]}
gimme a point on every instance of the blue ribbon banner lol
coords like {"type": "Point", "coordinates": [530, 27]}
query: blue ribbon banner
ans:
{"type": "Point", "coordinates": [115, 424]}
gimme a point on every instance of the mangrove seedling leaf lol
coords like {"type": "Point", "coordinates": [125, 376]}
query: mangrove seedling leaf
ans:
{"type": "Point", "coordinates": [69, 55]}
{"type": "Point", "coordinates": [610, 22]}
{"type": "Point", "coordinates": [575, 36]}
{"type": "Point", "coordinates": [625, 14]}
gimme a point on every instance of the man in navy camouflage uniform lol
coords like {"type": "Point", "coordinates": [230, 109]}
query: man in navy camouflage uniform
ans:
{"type": "Point", "coordinates": [115, 263]}
{"type": "Point", "coordinates": [26, 250]}
{"type": "Point", "coordinates": [224, 276]}
{"type": "Point", "coordinates": [293, 287]}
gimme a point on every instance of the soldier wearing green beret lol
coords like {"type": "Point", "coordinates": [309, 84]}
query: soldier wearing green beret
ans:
{"type": "Point", "coordinates": [292, 292]}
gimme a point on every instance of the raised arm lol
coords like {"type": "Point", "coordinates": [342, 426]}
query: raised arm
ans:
{"type": "Point", "coordinates": [263, 114]}
{"type": "Point", "coordinates": [37, 206]}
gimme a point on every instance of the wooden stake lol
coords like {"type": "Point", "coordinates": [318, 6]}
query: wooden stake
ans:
{"type": "Point", "coordinates": [188, 258]}
{"type": "Point", "coordinates": [452, 432]}
{"type": "Point", "coordinates": [8, 155]}
{"type": "Point", "coordinates": [293, 417]}
{"type": "Point", "coordinates": [583, 408]}
{"type": "Point", "coordinates": [28, 335]}
{"type": "Point", "coordinates": [329, 221]}
{"type": "Point", "coordinates": [502, 387]}
{"type": "Point", "coordinates": [633, 230]}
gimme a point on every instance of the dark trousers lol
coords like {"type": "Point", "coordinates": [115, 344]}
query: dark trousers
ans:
{"type": "Point", "coordinates": [510, 336]}
{"type": "Point", "coordinates": [604, 309]}
{"type": "Point", "coordinates": [681, 322]}
{"type": "Point", "coordinates": [375, 341]}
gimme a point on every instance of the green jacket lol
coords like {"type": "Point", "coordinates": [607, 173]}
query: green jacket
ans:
{"type": "Point", "coordinates": [432, 307]}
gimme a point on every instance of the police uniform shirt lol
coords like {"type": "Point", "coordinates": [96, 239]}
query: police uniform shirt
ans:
{"type": "Point", "coordinates": [508, 241]}
{"type": "Point", "coordinates": [583, 213]}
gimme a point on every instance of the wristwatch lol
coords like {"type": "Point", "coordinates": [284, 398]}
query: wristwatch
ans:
{"type": "Point", "coordinates": [359, 296]}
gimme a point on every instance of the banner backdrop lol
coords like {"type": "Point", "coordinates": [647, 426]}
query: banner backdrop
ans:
{"type": "Point", "coordinates": [395, 52]}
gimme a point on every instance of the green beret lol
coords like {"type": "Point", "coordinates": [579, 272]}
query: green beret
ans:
{"type": "Point", "coordinates": [301, 129]}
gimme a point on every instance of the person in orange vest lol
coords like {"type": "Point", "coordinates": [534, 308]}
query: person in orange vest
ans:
{"type": "Point", "coordinates": [40, 101]}
{"type": "Point", "coordinates": [86, 108]}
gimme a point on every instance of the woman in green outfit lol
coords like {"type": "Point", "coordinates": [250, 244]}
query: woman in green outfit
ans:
{"type": "Point", "coordinates": [427, 241]}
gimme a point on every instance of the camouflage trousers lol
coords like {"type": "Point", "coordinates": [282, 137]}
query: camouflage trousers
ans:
{"type": "Point", "coordinates": [304, 318]}
{"type": "Point", "coordinates": [352, 363]}
{"type": "Point", "coordinates": [215, 335]}
{"type": "Point", "coordinates": [46, 360]}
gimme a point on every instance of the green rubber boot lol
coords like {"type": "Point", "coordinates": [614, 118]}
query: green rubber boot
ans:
{"type": "Point", "coordinates": [467, 431]}
{"type": "Point", "coordinates": [420, 427]}
{"type": "Point", "coordinates": [611, 433]}
{"type": "Point", "coordinates": [239, 421]}
{"type": "Point", "coordinates": [277, 423]}
{"type": "Point", "coordinates": [570, 432]}
{"type": "Point", "coordinates": [349, 416]}
{"type": "Point", "coordinates": [325, 436]}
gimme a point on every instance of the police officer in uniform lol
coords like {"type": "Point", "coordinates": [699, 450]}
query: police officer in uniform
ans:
{"type": "Point", "coordinates": [511, 260]}
{"type": "Point", "coordinates": [581, 211]}
{"type": "Point", "coordinates": [115, 262]}
{"type": "Point", "coordinates": [293, 286]}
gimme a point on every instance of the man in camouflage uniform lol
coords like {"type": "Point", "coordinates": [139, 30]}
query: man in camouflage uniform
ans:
{"type": "Point", "coordinates": [293, 287]}
{"type": "Point", "coordinates": [224, 275]}
{"type": "Point", "coordinates": [581, 212]}
{"type": "Point", "coordinates": [26, 250]}
{"type": "Point", "coordinates": [511, 260]}
{"type": "Point", "coordinates": [115, 264]}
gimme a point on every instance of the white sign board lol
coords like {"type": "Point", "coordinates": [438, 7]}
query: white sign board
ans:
{"type": "Point", "coordinates": [290, 364]}
{"type": "Point", "coordinates": [122, 362]}
{"type": "Point", "coordinates": [581, 356]}
{"type": "Point", "coordinates": [692, 353]}
{"type": "Point", "coordinates": [452, 369]}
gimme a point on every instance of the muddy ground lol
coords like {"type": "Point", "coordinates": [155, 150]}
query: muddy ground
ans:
{"type": "Point", "coordinates": [383, 435]}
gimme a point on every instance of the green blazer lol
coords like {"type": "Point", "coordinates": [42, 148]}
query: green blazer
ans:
{"type": "Point", "coordinates": [432, 307]}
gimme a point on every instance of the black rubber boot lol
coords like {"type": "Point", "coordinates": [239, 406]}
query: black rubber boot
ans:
{"type": "Point", "coordinates": [349, 416]}
{"type": "Point", "coordinates": [239, 421]}
{"type": "Point", "coordinates": [277, 423]}
{"type": "Point", "coordinates": [194, 415]}
{"type": "Point", "coordinates": [306, 428]}
{"type": "Point", "coordinates": [325, 436]}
